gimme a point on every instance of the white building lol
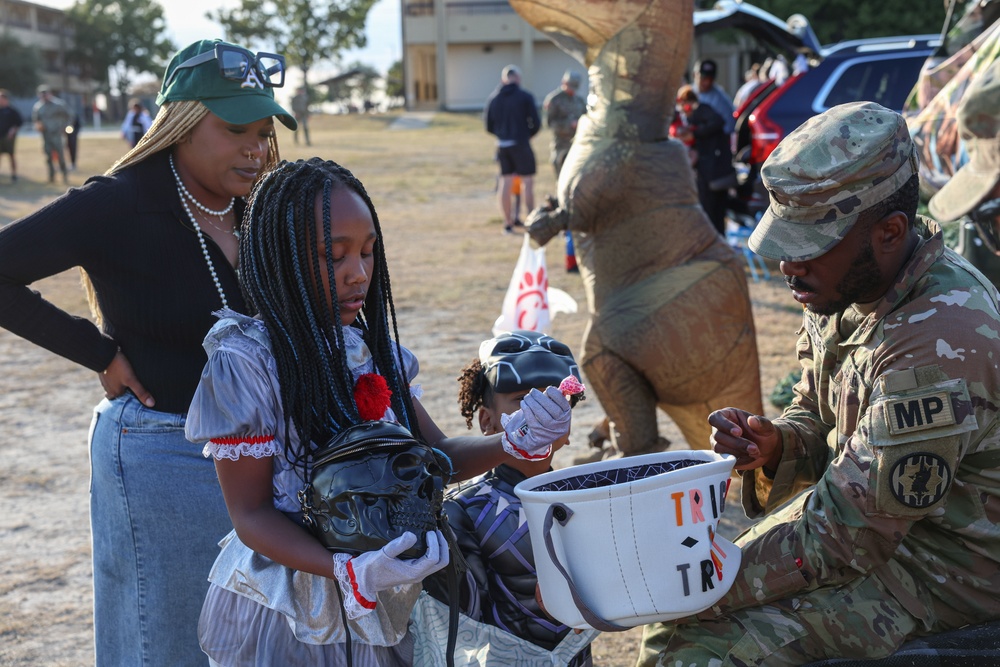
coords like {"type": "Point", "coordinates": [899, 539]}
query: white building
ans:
{"type": "Point", "coordinates": [47, 30]}
{"type": "Point", "coordinates": [454, 50]}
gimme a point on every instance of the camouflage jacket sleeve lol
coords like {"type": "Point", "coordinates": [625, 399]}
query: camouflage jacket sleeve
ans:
{"type": "Point", "coordinates": [558, 117]}
{"type": "Point", "coordinates": [804, 434]}
{"type": "Point", "coordinates": [883, 421]}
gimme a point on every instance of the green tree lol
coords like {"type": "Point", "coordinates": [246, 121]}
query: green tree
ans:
{"type": "Point", "coordinates": [839, 20]}
{"type": "Point", "coordinates": [365, 80]}
{"type": "Point", "coordinates": [21, 66]}
{"type": "Point", "coordinates": [116, 39]}
{"type": "Point", "coordinates": [306, 32]}
{"type": "Point", "coordinates": [339, 90]}
{"type": "Point", "coordinates": [394, 84]}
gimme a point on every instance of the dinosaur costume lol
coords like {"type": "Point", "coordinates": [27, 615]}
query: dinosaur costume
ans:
{"type": "Point", "coordinates": [670, 317]}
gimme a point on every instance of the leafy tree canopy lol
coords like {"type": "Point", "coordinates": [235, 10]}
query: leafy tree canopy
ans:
{"type": "Point", "coordinates": [116, 39]}
{"type": "Point", "coordinates": [358, 82]}
{"type": "Point", "coordinates": [306, 32]}
{"type": "Point", "coordinates": [21, 66]}
{"type": "Point", "coordinates": [394, 86]}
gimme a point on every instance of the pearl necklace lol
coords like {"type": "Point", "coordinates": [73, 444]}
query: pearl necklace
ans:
{"type": "Point", "coordinates": [186, 194]}
{"type": "Point", "coordinates": [197, 228]}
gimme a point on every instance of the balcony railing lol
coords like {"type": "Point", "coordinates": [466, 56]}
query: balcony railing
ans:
{"type": "Point", "coordinates": [464, 7]}
{"type": "Point", "coordinates": [473, 7]}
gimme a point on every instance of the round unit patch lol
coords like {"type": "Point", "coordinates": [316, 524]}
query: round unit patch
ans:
{"type": "Point", "coordinates": [920, 479]}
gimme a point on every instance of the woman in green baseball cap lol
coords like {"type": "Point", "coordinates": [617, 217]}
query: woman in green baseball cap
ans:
{"type": "Point", "coordinates": [156, 238]}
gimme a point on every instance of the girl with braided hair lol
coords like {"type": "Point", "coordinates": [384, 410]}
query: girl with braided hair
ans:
{"type": "Point", "coordinates": [156, 239]}
{"type": "Point", "coordinates": [322, 354]}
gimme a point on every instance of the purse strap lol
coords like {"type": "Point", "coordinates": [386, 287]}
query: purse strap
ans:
{"type": "Point", "coordinates": [347, 628]}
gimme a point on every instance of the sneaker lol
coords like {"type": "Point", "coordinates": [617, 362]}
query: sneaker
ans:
{"type": "Point", "coordinates": [518, 223]}
{"type": "Point", "coordinates": [507, 229]}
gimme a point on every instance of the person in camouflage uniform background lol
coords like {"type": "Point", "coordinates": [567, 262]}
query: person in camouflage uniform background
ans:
{"type": "Point", "coordinates": [562, 108]}
{"type": "Point", "coordinates": [51, 116]}
{"type": "Point", "coordinates": [879, 483]}
{"type": "Point", "coordinates": [972, 195]}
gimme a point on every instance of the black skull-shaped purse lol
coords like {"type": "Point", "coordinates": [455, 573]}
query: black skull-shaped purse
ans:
{"type": "Point", "coordinates": [368, 485]}
{"type": "Point", "coordinates": [371, 483]}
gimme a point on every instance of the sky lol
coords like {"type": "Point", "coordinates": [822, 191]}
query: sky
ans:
{"type": "Point", "coordinates": [186, 23]}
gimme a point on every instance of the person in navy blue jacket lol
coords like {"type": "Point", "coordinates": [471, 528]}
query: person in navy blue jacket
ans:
{"type": "Point", "coordinates": [512, 116]}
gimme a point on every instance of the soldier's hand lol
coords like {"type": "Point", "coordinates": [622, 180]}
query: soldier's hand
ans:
{"type": "Point", "coordinates": [752, 439]}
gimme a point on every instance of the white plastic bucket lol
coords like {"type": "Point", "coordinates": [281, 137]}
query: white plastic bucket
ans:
{"type": "Point", "coordinates": [631, 541]}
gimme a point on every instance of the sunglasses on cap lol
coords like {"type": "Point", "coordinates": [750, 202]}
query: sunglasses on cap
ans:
{"type": "Point", "coordinates": [235, 64]}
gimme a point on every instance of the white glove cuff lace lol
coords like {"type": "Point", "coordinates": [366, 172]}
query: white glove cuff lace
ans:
{"type": "Point", "coordinates": [355, 603]}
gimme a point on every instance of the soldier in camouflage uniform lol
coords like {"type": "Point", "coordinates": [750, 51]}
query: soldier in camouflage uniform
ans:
{"type": "Point", "coordinates": [879, 483]}
{"type": "Point", "coordinates": [562, 108]}
{"type": "Point", "coordinates": [51, 116]}
{"type": "Point", "coordinates": [973, 193]}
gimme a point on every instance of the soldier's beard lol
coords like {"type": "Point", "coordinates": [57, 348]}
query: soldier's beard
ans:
{"type": "Point", "coordinates": [859, 285]}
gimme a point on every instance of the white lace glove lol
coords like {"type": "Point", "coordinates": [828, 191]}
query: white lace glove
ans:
{"type": "Point", "coordinates": [544, 417]}
{"type": "Point", "coordinates": [365, 575]}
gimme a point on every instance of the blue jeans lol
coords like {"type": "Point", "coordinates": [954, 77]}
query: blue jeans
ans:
{"type": "Point", "coordinates": [156, 514]}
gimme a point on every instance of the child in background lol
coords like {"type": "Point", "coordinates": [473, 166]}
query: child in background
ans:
{"type": "Point", "coordinates": [277, 386]}
{"type": "Point", "coordinates": [503, 623]}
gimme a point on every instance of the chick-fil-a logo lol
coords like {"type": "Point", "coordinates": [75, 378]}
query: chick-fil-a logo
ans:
{"type": "Point", "coordinates": [532, 305]}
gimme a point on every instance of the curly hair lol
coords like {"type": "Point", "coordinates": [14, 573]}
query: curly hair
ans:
{"type": "Point", "coordinates": [278, 257]}
{"type": "Point", "coordinates": [474, 391]}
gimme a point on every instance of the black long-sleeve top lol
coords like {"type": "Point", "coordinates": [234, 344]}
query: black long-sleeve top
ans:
{"type": "Point", "coordinates": [131, 235]}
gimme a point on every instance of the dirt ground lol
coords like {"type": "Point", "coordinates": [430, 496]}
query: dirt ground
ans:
{"type": "Point", "coordinates": [450, 265]}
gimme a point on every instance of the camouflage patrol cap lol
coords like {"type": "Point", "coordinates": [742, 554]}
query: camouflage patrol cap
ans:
{"type": "Point", "coordinates": [572, 79]}
{"type": "Point", "coordinates": [979, 128]}
{"type": "Point", "coordinates": [825, 173]}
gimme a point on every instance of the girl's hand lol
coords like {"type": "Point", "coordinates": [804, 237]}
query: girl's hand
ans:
{"type": "Point", "coordinates": [119, 377]}
{"type": "Point", "coordinates": [362, 577]}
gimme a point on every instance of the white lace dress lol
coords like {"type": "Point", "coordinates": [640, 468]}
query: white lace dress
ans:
{"type": "Point", "coordinates": [258, 612]}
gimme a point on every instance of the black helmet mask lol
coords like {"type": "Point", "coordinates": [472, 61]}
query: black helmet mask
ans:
{"type": "Point", "coordinates": [521, 360]}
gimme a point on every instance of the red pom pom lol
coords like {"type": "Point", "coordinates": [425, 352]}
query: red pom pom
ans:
{"type": "Point", "coordinates": [371, 395]}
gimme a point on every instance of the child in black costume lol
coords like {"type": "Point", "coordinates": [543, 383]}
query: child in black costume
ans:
{"type": "Point", "coordinates": [503, 622]}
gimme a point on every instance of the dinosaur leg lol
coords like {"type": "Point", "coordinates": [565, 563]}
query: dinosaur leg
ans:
{"type": "Point", "coordinates": [733, 379]}
{"type": "Point", "coordinates": [627, 399]}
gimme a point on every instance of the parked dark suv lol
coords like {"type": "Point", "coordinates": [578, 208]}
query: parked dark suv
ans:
{"type": "Point", "coordinates": [881, 70]}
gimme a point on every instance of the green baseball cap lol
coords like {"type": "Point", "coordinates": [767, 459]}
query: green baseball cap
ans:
{"type": "Point", "coordinates": [240, 102]}
{"type": "Point", "coordinates": [825, 173]}
{"type": "Point", "coordinates": [979, 128]}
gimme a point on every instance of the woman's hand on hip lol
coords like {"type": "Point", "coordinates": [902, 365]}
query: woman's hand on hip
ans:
{"type": "Point", "coordinates": [119, 377]}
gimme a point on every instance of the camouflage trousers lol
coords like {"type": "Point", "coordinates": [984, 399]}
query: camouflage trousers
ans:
{"type": "Point", "coordinates": [558, 156]}
{"type": "Point", "coordinates": [52, 146]}
{"type": "Point", "coordinates": [858, 620]}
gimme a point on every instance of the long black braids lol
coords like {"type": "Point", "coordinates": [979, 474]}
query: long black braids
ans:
{"type": "Point", "coordinates": [278, 258]}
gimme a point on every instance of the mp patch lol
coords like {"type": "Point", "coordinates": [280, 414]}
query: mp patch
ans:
{"type": "Point", "coordinates": [920, 479]}
{"type": "Point", "coordinates": [919, 413]}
